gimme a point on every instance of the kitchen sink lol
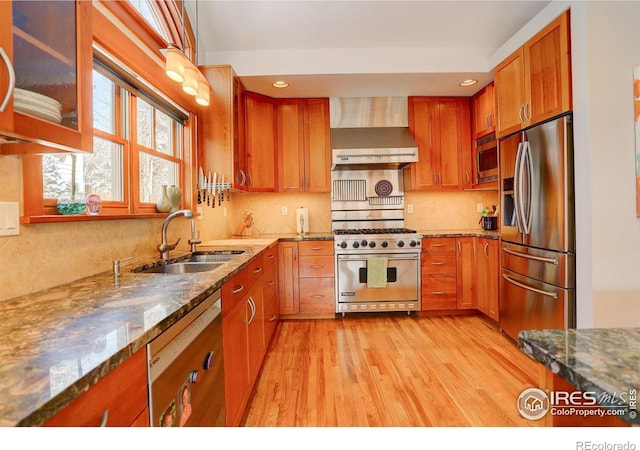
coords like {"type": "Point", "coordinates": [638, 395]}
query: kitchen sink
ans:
{"type": "Point", "coordinates": [204, 261]}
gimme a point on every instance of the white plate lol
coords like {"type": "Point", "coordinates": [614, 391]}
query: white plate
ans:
{"type": "Point", "coordinates": [40, 113]}
{"type": "Point", "coordinates": [34, 97]}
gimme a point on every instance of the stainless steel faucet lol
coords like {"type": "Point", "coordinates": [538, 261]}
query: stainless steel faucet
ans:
{"type": "Point", "coordinates": [194, 241]}
{"type": "Point", "coordinates": [165, 247]}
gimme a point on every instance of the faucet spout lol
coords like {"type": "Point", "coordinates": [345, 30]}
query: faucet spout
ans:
{"type": "Point", "coordinates": [165, 247]}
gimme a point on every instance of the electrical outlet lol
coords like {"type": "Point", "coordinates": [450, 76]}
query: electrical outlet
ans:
{"type": "Point", "coordinates": [409, 209]}
{"type": "Point", "coordinates": [284, 211]}
{"type": "Point", "coordinates": [9, 219]}
{"type": "Point", "coordinates": [479, 207]}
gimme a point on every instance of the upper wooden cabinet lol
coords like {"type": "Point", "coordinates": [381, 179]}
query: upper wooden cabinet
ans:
{"type": "Point", "coordinates": [534, 83]}
{"type": "Point", "coordinates": [45, 76]}
{"type": "Point", "coordinates": [221, 127]}
{"type": "Point", "coordinates": [260, 141]}
{"type": "Point", "coordinates": [483, 111]}
{"type": "Point", "coordinates": [441, 127]}
{"type": "Point", "coordinates": [303, 143]}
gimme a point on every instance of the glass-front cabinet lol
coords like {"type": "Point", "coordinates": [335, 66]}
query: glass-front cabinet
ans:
{"type": "Point", "coordinates": [45, 76]}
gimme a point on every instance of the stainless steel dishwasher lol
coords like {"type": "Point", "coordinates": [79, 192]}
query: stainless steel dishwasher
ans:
{"type": "Point", "coordinates": [186, 370]}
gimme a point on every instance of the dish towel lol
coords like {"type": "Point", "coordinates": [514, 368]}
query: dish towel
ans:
{"type": "Point", "coordinates": [377, 272]}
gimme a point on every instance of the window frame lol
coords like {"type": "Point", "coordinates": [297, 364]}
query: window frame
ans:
{"type": "Point", "coordinates": [118, 28]}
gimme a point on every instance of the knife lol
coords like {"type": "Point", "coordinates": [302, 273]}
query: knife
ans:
{"type": "Point", "coordinates": [209, 190]}
{"type": "Point", "coordinates": [200, 185]}
{"type": "Point", "coordinates": [204, 188]}
{"type": "Point", "coordinates": [221, 198]}
{"type": "Point", "coordinates": [215, 178]}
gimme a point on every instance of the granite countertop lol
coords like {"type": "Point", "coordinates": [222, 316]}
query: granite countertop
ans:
{"type": "Point", "coordinates": [601, 360]}
{"type": "Point", "coordinates": [472, 232]}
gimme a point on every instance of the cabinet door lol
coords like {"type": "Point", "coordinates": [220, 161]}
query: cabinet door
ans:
{"type": "Point", "coordinates": [255, 330]}
{"type": "Point", "coordinates": [261, 138]}
{"type": "Point", "coordinates": [465, 260]}
{"type": "Point", "coordinates": [453, 135]}
{"type": "Point", "coordinates": [119, 398]}
{"type": "Point", "coordinates": [238, 131]}
{"type": "Point", "coordinates": [290, 145]}
{"type": "Point", "coordinates": [288, 277]}
{"type": "Point", "coordinates": [31, 37]}
{"type": "Point", "coordinates": [236, 362]}
{"type": "Point", "coordinates": [317, 296]}
{"type": "Point", "coordinates": [483, 111]}
{"type": "Point", "coordinates": [510, 93]}
{"type": "Point", "coordinates": [421, 117]}
{"type": "Point", "coordinates": [548, 80]}
{"type": "Point", "coordinates": [491, 252]}
{"type": "Point", "coordinates": [317, 145]}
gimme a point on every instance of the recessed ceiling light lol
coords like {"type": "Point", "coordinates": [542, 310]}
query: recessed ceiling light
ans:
{"type": "Point", "coordinates": [280, 84]}
{"type": "Point", "coordinates": [468, 82]}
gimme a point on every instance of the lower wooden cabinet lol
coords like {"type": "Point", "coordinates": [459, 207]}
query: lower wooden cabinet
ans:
{"type": "Point", "coordinates": [487, 277]}
{"type": "Point", "coordinates": [119, 399]}
{"type": "Point", "coordinates": [465, 269]}
{"type": "Point", "coordinates": [306, 274]}
{"type": "Point", "coordinates": [439, 280]}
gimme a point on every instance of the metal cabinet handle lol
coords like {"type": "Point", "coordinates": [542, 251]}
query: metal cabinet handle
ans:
{"type": "Point", "coordinates": [437, 245]}
{"type": "Point", "coordinates": [486, 247]}
{"type": "Point", "coordinates": [437, 263]}
{"type": "Point", "coordinates": [520, 112]}
{"type": "Point", "coordinates": [459, 247]}
{"type": "Point", "coordinates": [438, 293]}
{"type": "Point", "coordinates": [252, 305]}
{"type": "Point", "coordinates": [317, 296]}
{"type": "Point", "coordinates": [243, 178]}
{"type": "Point", "coordinates": [529, 288]}
{"type": "Point", "coordinates": [12, 79]}
{"type": "Point", "coordinates": [271, 256]}
{"type": "Point", "coordinates": [527, 111]}
{"type": "Point", "coordinates": [535, 258]}
{"type": "Point", "coordinates": [238, 289]}
{"type": "Point", "coordinates": [468, 176]}
{"type": "Point", "coordinates": [273, 317]}
{"type": "Point", "coordinates": [105, 418]}
{"type": "Point", "coordinates": [271, 283]}
{"type": "Point", "coordinates": [257, 270]}
{"type": "Point", "coordinates": [316, 248]}
{"type": "Point", "coordinates": [316, 266]}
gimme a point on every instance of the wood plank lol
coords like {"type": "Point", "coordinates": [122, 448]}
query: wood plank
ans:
{"type": "Point", "coordinates": [391, 370]}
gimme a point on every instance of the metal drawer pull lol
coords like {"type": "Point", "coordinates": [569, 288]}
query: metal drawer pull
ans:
{"type": "Point", "coordinates": [257, 270]}
{"type": "Point", "coordinates": [238, 289]}
{"type": "Point", "coordinates": [438, 293]}
{"type": "Point", "coordinates": [317, 296]}
{"type": "Point", "coordinates": [12, 79]}
{"type": "Point", "coordinates": [535, 258]}
{"type": "Point", "coordinates": [316, 248]}
{"type": "Point", "coordinates": [316, 266]}
{"type": "Point", "coordinates": [271, 283]}
{"type": "Point", "coordinates": [271, 256]}
{"type": "Point", "coordinates": [105, 418]}
{"type": "Point", "coordinates": [437, 245]}
{"type": "Point", "coordinates": [529, 288]}
{"type": "Point", "coordinates": [273, 317]}
{"type": "Point", "coordinates": [437, 263]}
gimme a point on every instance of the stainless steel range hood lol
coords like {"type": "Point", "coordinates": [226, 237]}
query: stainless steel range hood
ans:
{"type": "Point", "coordinates": [371, 133]}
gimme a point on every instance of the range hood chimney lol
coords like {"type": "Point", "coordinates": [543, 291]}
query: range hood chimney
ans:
{"type": "Point", "coordinates": [371, 133]}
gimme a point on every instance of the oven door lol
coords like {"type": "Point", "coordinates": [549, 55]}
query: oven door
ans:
{"type": "Point", "coordinates": [402, 283]}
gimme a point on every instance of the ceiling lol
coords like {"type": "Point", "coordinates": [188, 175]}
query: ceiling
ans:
{"type": "Point", "coordinates": [358, 48]}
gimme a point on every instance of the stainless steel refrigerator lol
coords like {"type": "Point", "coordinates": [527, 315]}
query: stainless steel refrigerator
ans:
{"type": "Point", "coordinates": [537, 279]}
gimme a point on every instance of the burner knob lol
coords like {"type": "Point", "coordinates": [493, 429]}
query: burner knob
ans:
{"type": "Point", "coordinates": [363, 243]}
{"type": "Point", "coordinates": [356, 245]}
{"type": "Point", "coordinates": [400, 243]}
{"type": "Point", "coordinates": [384, 244]}
{"type": "Point", "coordinates": [413, 243]}
{"type": "Point", "coordinates": [372, 244]}
{"type": "Point", "coordinates": [343, 245]}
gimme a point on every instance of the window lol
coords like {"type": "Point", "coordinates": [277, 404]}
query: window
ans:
{"type": "Point", "coordinates": [149, 11]}
{"type": "Point", "coordinates": [137, 148]}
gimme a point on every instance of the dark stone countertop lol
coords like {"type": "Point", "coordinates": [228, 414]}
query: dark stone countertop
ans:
{"type": "Point", "coordinates": [59, 342]}
{"type": "Point", "coordinates": [601, 360]}
{"type": "Point", "coordinates": [471, 232]}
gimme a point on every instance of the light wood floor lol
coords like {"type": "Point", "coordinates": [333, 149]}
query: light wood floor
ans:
{"type": "Point", "coordinates": [391, 371]}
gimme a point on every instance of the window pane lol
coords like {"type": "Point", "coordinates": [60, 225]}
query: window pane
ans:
{"type": "Point", "coordinates": [150, 12]}
{"type": "Point", "coordinates": [104, 117]}
{"type": "Point", "coordinates": [164, 135]}
{"type": "Point", "coordinates": [99, 173]}
{"type": "Point", "coordinates": [154, 172]}
{"type": "Point", "coordinates": [144, 123]}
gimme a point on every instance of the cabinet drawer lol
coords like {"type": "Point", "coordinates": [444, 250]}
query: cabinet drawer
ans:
{"type": "Point", "coordinates": [237, 287]}
{"type": "Point", "coordinates": [120, 398]}
{"type": "Point", "coordinates": [270, 282]}
{"type": "Point", "coordinates": [438, 245]}
{"type": "Point", "coordinates": [438, 263]}
{"type": "Point", "coordinates": [312, 248]}
{"type": "Point", "coordinates": [315, 266]}
{"type": "Point", "coordinates": [317, 295]}
{"type": "Point", "coordinates": [439, 292]}
{"type": "Point", "coordinates": [270, 256]}
{"type": "Point", "coordinates": [271, 316]}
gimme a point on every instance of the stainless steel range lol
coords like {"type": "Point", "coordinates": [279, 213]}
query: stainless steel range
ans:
{"type": "Point", "coordinates": [377, 259]}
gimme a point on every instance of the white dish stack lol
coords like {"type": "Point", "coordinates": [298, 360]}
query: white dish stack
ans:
{"type": "Point", "coordinates": [37, 105]}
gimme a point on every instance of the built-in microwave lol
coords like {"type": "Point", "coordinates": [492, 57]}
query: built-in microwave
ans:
{"type": "Point", "coordinates": [486, 159]}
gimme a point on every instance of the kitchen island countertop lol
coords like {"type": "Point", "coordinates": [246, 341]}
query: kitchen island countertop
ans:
{"type": "Point", "coordinates": [601, 360]}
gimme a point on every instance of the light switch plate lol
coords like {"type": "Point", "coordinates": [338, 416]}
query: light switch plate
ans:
{"type": "Point", "coordinates": [409, 209]}
{"type": "Point", "coordinates": [9, 219]}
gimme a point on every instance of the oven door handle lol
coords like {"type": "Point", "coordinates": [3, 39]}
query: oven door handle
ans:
{"type": "Point", "coordinates": [412, 257]}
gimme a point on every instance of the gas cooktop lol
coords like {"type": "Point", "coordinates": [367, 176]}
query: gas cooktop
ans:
{"type": "Point", "coordinates": [375, 231]}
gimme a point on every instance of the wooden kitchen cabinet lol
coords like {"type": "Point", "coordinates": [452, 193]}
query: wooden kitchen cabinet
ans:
{"type": "Point", "coordinates": [439, 283]}
{"type": "Point", "coordinates": [465, 270]}
{"type": "Point", "coordinates": [483, 111]}
{"type": "Point", "coordinates": [119, 399]}
{"type": "Point", "coordinates": [534, 83]}
{"type": "Point", "coordinates": [260, 142]}
{"type": "Point", "coordinates": [31, 41]}
{"type": "Point", "coordinates": [442, 129]}
{"type": "Point", "coordinates": [303, 145]}
{"type": "Point", "coordinates": [270, 293]}
{"type": "Point", "coordinates": [487, 276]}
{"type": "Point", "coordinates": [243, 337]}
{"type": "Point", "coordinates": [221, 127]}
{"type": "Point", "coordinates": [306, 271]}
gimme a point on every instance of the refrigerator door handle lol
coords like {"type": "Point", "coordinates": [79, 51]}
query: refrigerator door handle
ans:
{"type": "Point", "coordinates": [516, 187]}
{"type": "Point", "coordinates": [529, 288]}
{"type": "Point", "coordinates": [527, 209]}
{"type": "Point", "coordinates": [535, 258]}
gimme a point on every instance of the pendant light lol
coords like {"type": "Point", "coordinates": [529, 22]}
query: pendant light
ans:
{"type": "Point", "coordinates": [203, 96]}
{"type": "Point", "coordinates": [174, 65]}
